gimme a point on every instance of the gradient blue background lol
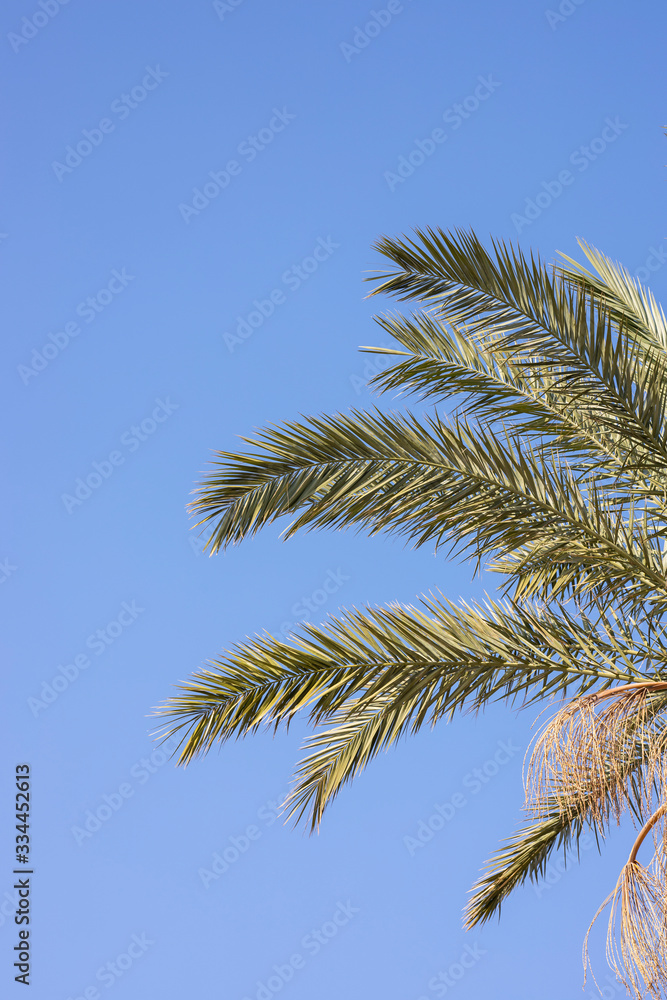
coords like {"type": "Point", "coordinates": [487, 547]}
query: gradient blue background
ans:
{"type": "Point", "coordinates": [323, 176]}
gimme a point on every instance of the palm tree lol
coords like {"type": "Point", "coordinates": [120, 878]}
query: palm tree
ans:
{"type": "Point", "coordinates": [551, 472]}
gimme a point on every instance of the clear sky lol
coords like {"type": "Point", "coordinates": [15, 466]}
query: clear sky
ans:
{"type": "Point", "coordinates": [191, 191]}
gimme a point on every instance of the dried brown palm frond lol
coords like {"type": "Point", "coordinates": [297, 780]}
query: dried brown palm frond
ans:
{"type": "Point", "coordinates": [636, 944]}
{"type": "Point", "coordinates": [581, 753]}
{"type": "Point", "coordinates": [656, 763]}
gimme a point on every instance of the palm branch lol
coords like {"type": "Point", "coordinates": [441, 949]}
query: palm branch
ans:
{"type": "Point", "coordinates": [552, 471]}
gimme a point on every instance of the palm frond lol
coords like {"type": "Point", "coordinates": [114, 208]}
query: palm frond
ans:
{"type": "Point", "coordinates": [523, 643]}
{"type": "Point", "coordinates": [525, 856]}
{"type": "Point", "coordinates": [441, 361]}
{"type": "Point", "coordinates": [517, 307]}
{"type": "Point", "coordinates": [380, 673]}
{"type": "Point", "coordinates": [630, 304]}
{"type": "Point", "coordinates": [490, 498]}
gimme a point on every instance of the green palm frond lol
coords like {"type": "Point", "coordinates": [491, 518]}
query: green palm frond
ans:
{"type": "Point", "coordinates": [523, 857]}
{"type": "Point", "coordinates": [380, 673]}
{"type": "Point", "coordinates": [630, 304]}
{"type": "Point", "coordinates": [487, 494]}
{"type": "Point", "coordinates": [504, 653]}
{"type": "Point", "coordinates": [516, 306]}
{"type": "Point", "coordinates": [441, 361]}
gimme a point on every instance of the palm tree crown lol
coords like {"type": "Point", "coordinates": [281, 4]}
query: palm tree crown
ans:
{"type": "Point", "coordinates": [552, 471]}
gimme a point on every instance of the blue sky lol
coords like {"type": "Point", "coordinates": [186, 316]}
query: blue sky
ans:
{"type": "Point", "coordinates": [191, 195]}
